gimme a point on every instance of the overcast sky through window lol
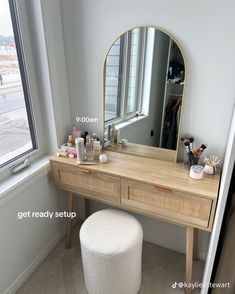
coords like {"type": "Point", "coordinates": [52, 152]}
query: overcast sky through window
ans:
{"type": "Point", "coordinates": [5, 24]}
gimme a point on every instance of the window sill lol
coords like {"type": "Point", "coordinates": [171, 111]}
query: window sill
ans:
{"type": "Point", "coordinates": [132, 121]}
{"type": "Point", "coordinates": [16, 183]}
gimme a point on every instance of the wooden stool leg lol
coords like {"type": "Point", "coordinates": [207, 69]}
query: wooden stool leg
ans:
{"type": "Point", "coordinates": [189, 256]}
{"type": "Point", "coordinates": [69, 220]}
{"type": "Point", "coordinates": [87, 207]}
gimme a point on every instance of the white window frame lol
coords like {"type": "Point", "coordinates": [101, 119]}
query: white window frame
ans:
{"type": "Point", "coordinates": [25, 150]}
{"type": "Point", "coordinates": [32, 84]}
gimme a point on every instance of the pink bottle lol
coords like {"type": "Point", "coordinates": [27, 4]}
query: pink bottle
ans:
{"type": "Point", "coordinates": [76, 133]}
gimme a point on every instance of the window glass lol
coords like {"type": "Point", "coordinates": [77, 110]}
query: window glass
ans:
{"type": "Point", "coordinates": [16, 128]}
{"type": "Point", "coordinates": [112, 82]}
{"type": "Point", "coordinates": [132, 97]}
{"type": "Point", "coordinates": [123, 76]}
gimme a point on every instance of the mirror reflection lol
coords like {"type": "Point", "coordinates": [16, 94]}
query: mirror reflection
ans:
{"type": "Point", "coordinates": [144, 75]}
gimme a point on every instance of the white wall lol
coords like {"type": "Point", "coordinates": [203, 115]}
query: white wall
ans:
{"type": "Point", "coordinates": [205, 31]}
{"type": "Point", "coordinates": [24, 243]}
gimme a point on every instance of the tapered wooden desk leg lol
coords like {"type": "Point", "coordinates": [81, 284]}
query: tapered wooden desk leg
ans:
{"type": "Point", "coordinates": [87, 208]}
{"type": "Point", "coordinates": [189, 256]}
{"type": "Point", "coordinates": [195, 244]}
{"type": "Point", "coordinates": [69, 220]}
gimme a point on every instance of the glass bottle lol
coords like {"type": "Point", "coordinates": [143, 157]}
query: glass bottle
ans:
{"type": "Point", "coordinates": [96, 149]}
{"type": "Point", "coordinates": [76, 133]}
{"type": "Point", "coordinates": [70, 142]}
{"type": "Point", "coordinates": [89, 149]}
{"type": "Point", "coordinates": [94, 137]}
{"type": "Point", "coordinates": [112, 134]}
{"type": "Point", "coordinates": [116, 137]}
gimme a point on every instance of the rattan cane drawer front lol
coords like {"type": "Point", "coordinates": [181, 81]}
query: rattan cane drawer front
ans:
{"type": "Point", "coordinates": [86, 182]}
{"type": "Point", "coordinates": [173, 205]}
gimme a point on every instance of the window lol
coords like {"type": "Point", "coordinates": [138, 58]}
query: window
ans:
{"type": "Point", "coordinates": [134, 70]}
{"type": "Point", "coordinates": [123, 75]}
{"type": "Point", "coordinates": [113, 73]}
{"type": "Point", "coordinates": [17, 135]}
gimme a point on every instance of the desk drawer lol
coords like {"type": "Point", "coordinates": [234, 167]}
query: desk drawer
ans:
{"type": "Point", "coordinates": [181, 207]}
{"type": "Point", "coordinates": [87, 182]}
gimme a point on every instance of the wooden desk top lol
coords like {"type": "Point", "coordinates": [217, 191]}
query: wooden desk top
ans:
{"type": "Point", "coordinates": [151, 171]}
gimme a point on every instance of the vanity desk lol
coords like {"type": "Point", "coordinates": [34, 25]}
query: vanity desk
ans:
{"type": "Point", "coordinates": [155, 188]}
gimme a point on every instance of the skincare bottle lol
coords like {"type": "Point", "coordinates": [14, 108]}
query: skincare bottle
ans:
{"type": "Point", "coordinates": [89, 149]}
{"type": "Point", "coordinates": [96, 149]}
{"type": "Point", "coordinates": [112, 133]}
{"type": "Point", "coordinates": [116, 137]}
{"type": "Point", "coordinates": [109, 133]}
{"type": "Point", "coordinates": [80, 149]}
{"type": "Point", "coordinates": [76, 133]}
{"type": "Point", "coordinates": [94, 137]}
{"type": "Point", "coordinates": [70, 142]}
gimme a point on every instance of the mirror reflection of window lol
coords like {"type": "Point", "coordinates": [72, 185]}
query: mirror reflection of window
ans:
{"type": "Point", "coordinates": [124, 72]}
{"type": "Point", "coordinates": [134, 69]}
{"type": "Point", "coordinates": [112, 81]}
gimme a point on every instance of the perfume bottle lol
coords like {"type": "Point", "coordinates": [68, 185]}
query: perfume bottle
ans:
{"type": "Point", "coordinates": [112, 133]}
{"type": "Point", "coordinates": [70, 142]}
{"type": "Point", "coordinates": [116, 137]}
{"type": "Point", "coordinates": [76, 133]}
{"type": "Point", "coordinates": [96, 149]}
{"type": "Point", "coordinates": [94, 137]}
{"type": "Point", "coordinates": [89, 149]}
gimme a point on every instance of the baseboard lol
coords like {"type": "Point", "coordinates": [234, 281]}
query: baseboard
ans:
{"type": "Point", "coordinates": [35, 263]}
{"type": "Point", "coordinates": [201, 254]}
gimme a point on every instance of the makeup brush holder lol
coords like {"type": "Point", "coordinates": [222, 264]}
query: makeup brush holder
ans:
{"type": "Point", "coordinates": [190, 159]}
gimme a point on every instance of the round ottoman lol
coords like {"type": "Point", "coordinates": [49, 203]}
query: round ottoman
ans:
{"type": "Point", "coordinates": [111, 246]}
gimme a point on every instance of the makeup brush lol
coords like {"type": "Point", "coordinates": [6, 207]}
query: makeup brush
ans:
{"type": "Point", "coordinates": [187, 145]}
{"type": "Point", "coordinates": [191, 139]}
{"type": "Point", "coordinates": [187, 136]}
{"type": "Point", "coordinates": [198, 151]}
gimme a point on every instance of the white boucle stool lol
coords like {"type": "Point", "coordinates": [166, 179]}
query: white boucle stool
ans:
{"type": "Point", "coordinates": [111, 246]}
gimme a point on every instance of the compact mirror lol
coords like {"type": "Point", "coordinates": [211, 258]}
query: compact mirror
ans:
{"type": "Point", "coordinates": [144, 77]}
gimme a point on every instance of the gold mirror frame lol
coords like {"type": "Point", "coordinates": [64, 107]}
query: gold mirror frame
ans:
{"type": "Point", "coordinates": [139, 149]}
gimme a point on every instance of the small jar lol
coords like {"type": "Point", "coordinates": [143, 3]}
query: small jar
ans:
{"type": "Point", "coordinates": [196, 172]}
{"type": "Point", "coordinates": [208, 169]}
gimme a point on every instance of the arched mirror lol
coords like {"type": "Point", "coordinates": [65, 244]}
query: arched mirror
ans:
{"type": "Point", "coordinates": [144, 76]}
